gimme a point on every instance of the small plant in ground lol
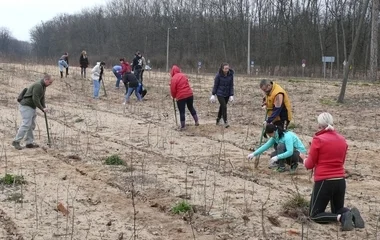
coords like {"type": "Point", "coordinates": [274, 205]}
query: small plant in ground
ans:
{"type": "Point", "coordinates": [296, 207]}
{"type": "Point", "coordinates": [15, 197]}
{"type": "Point", "coordinates": [10, 179]}
{"type": "Point", "coordinates": [181, 207]}
{"type": "Point", "coordinates": [293, 126]}
{"type": "Point", "coordinates": [114, 160]}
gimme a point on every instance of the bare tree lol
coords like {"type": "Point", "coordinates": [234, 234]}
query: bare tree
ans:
{"type": "Point", "coordinates": [374, 40]}
{"type": "Point", "coordinates": [364, 7]}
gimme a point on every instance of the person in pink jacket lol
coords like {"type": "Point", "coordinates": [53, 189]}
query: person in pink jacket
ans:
{"type": "Point", "coordinates": [181, 91]}
{"type": "Point", "coordinates": [326, 157]}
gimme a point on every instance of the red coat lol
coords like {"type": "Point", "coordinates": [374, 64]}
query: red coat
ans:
{"type": "Point", "coordinates": [327, 155]}
{"type": "Point", "coordinates": [179, 84]}
{"type": "Point", "coordinates": [125, 68]}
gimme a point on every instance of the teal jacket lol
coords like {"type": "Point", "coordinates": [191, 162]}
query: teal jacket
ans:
{"type": "Point", "coordinates": [290, 140]}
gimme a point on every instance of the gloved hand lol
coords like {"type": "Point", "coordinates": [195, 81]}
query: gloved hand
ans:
{"type": "Point", "coordinates": [273, 160]}
{"type": "Point", "coordinates": [231, 99]}
{"type": "Point", "coordinates": [212, 98]}
{"type": "Point", "coordinates": [250, 156]}
{"type": "Point", "coordinates": [264, 107]}
{"type": "Point", "coordinates": [265, 123]}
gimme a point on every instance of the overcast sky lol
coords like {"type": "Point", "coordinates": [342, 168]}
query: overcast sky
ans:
{"type": "Point", "coordinates": [19, 16]}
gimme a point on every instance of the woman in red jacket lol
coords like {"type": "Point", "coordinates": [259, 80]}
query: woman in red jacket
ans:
{"type": "Point", "coordinates": [327, 155]}
{"type": "Point", "coordinates": [181, 91]}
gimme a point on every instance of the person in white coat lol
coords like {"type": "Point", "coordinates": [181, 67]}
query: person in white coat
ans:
{"type": "Point", "coordinates": [96, 75]}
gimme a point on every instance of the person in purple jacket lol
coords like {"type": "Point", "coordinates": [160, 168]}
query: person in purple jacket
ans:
{"type": "Point", "coordinates": [224, 91]}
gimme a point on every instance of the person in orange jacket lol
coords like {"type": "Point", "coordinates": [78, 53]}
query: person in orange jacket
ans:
{"type": "Point", "coordinates": [181, 91]}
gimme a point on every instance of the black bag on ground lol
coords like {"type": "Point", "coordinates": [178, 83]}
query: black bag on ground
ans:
{"type": "Point", "coordinates": [143, 91]}
{"type": "Point", "coordinates": [21, 95]}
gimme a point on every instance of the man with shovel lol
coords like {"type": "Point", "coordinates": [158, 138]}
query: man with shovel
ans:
{"type": "Point", "coordinates": [32, 98]}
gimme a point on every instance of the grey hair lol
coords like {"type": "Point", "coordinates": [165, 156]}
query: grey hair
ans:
{"type": "Point", "coordinates": [326, 120]}
{"type": "Point", "coordinates": [265, 82]}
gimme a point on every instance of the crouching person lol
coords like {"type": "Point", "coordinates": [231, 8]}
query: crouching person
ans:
{"type": "Point", "coordinates": [287, 147]}
{"type": "Point", "coordinates": [326, 156]}
{"type": "Point", "coordinates": [131, 85]}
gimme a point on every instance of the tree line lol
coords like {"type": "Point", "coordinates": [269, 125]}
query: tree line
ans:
{"type": "Point", "coordinates": [12, 49]}
{"type": "Point", "coordinates": [282, 34]}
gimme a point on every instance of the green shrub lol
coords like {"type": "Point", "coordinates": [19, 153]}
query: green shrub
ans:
{"type": "Point", "coordinates": [9, 179]}
{"type": "Point", "coordinates": [296, 207]}
{"type": "Point", "coordinates": [114, 160]}
{"type": "Point", "coordinates": [181, 207]}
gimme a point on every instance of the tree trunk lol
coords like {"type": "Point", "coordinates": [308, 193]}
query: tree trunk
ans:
{"type": "Point", "coordinates": [352, 53]}
{"type": "Point", "coordinates": [374, 40]}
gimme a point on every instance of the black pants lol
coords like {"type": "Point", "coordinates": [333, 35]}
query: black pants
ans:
{"type": "Point", "coordinates": [222, 108]}
{"type": "Point", "coordinates": [181, 104]}
{"type": "Point", "coordinates": [326, 191]}
{"type": "Point", "coordinates": [280, 148]}
{"type": "Point", "coordinates": [281, 123]}
{"type": "Point", "coordinates": [142, 73]}
{"type": "Point", "coordinates": [83, 71]}
{"type": "Point", "coordinates": [137, 73]}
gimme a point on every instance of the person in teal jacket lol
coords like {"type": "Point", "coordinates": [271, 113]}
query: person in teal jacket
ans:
{"type": "Point", "coordinates": [287, 148]}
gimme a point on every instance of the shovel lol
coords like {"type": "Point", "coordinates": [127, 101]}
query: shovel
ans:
{"type": "Point", "coordinates": [47, 130]}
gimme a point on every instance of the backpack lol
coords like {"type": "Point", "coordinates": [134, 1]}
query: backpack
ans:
{"type": "Point", "coordinates": [21, 95]}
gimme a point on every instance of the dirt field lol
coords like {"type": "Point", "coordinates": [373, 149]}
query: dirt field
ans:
{"type": "Point", "coordinates": [205, 165]}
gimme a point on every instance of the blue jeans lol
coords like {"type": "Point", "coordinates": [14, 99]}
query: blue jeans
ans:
{"type": "Point", "coordinates": [130, 91]}
{"type": "Point", "coordinates": [96, 88]}
{"type": "Point", "coordinates": [62, 64]}
{"type": "Point", "coordinates": [118, 78]}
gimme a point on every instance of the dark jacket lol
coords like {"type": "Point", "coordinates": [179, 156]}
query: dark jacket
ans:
{"type": "Point", "coordinates": [137, 63]}
{"type": "Point", "coordinates": [224, 85]}
{"type": "Point", "coordinates": [83, 61]}
{"type": "Point", "coordinates": [130, 80]}
{"type": "Point", "coordinates": [35, 95]}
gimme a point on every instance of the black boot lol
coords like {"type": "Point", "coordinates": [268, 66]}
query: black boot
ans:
{"type": "Point", "coordinates": [61, 74]}
{"type": "Point", "coordinates": [67, 71]}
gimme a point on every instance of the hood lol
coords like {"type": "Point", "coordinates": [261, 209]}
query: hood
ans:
{"type": "Point", "coordinates": [175, 70]}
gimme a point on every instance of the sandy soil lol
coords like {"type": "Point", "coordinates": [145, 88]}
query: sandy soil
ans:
{"type": "Point", "coordinates": [206, 165]}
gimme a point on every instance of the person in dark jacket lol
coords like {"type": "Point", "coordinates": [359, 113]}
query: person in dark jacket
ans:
{"type": "Point", "coordinates": [181, 91]}
{"type": "Point", "coordinates": [66, 58]}
{"type": "Point", "coordinates": [63, 63]}
{"type": "Point", "coordinates": [224, 91]}
{"type": "Point", "coordinates": [83, 62]}
{"type": "Point", "coordinates": [33, 98]}
{"type": "Point", "coordinates": [131, 85]}
{"type": "Point", "coordinates": [137, 65]}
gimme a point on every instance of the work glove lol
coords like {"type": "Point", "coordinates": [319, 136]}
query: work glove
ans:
{"type": "Point", "coordinates": [231, 99]}
{"type": "Point", "coordinates": [273, 160]}
{"type": "Point", "coordinates": [250, 156]}
{"type": "Point", "coordinates": [212, 98]}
